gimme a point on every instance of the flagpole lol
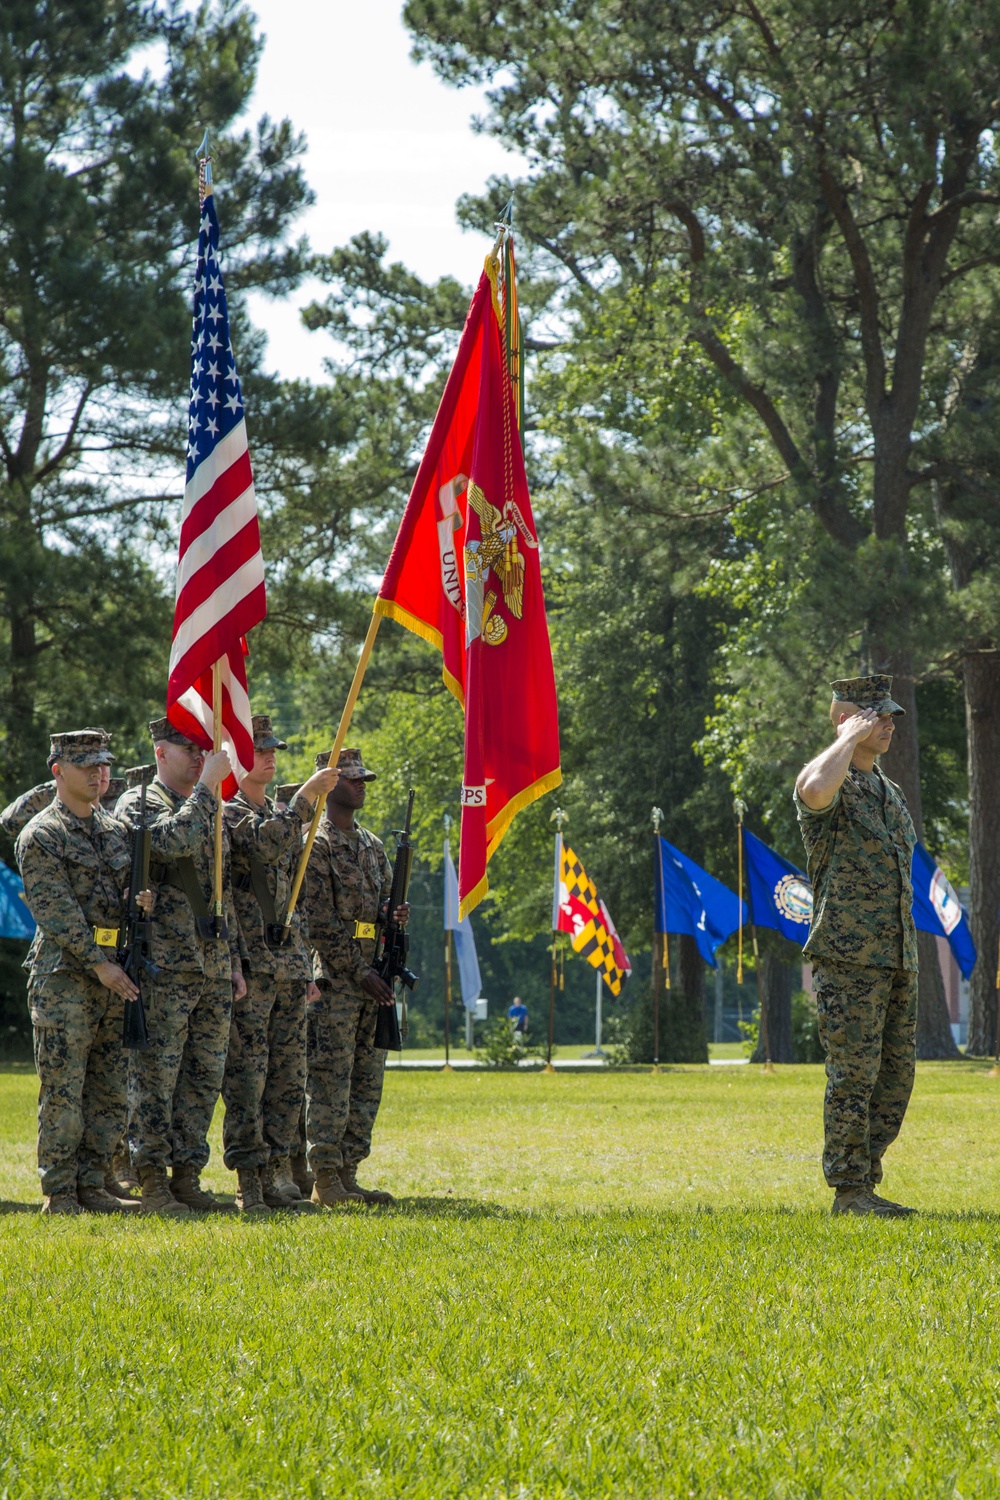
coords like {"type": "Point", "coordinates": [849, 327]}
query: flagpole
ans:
{"type": "Point", "coordinates": [657, 818]}
{"type": "Point", "coordinates": [447, 956]}
{"type": "Point", "coordinates": [740, 808]}
{"type": "Point", "coordinates": [995, 1070]}
{"type": "Point", "coordinates": [338, 745]}
{"type": "Point", "coordinates": [560, 818]}
{"type": "Point", "coordinates": [217, 746]}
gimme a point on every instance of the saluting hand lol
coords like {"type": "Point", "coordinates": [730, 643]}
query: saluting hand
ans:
{"type": "Point", "coordinates": [859, 726]}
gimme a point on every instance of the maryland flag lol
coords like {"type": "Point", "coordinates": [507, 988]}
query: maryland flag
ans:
{"type": "Point", "coordinates": [464, 573]}
{"type": "Point", "coordinates": [585, 917]}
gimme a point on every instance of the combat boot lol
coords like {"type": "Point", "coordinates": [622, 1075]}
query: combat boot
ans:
{"type": "Point", "coordinates": [97, 1200]}
{"type": "Point", "coordinates": [301, 1175]}
{"type": "Point", "coordinates": [188, 1190]}
{"type": "Point", "coordinates": [886, 1205]}
{"type": "Point", "coordinates": [124, 1173]}
{"type": "Point", "coordinates": [249, 1194]}
{"type": "Point", "coordinates": [61, 1203]}
{"type": "Point", "coordinates": [157, 1197]}
{"type": "Point", "coordinates": [284, 1182]}
{"type": "Point", "coordinates": [117, 1188]}
{"type": "Point", "coordinates": [349, 1177]}
{"type": "Point", "coordinates": [858, 1198]}
{"type": "Point", "coordinates": [331, 1192]}
{"type": "Point", "coordinates": [271, 1187]}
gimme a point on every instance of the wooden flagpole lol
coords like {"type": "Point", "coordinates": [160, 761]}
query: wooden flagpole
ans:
{"type": "Point", "coordinates": [995, 1070]}
{"type": "Point", "coordinates": [657, 818]}
{"type": "Point", "coordinates": [560, 818]}
{"type": "Point", "coordinates": [338, 745]}
{"type": "Point", "coordinates": [217, 746]}
{"type": "Point", "coordinates": [447, 960]}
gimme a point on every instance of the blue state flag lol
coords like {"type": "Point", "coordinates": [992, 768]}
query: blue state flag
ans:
{"type": "Point", "coordinates": [937, 909]}
{"type": "Point", "coordinates": [689, 900]}
{"type": "Point", "coordinates": [780, 894]}
{"type": "Point", "coordinates": [465, 942]}
{"type": "Point", "coordinates": [16, 920]}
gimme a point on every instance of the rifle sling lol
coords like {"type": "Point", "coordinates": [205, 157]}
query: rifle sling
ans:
{"type": "Point", "coordinates": [262, 891]}
{"type": "Point", "coordinates": [183, 876]}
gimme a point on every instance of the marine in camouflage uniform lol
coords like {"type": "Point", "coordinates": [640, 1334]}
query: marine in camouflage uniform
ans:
{"type": "Point", "coordinates": [347, 882]}
{"type": "Point", "coordinates": [19, 813]}
{"type": "Point", "coordinates": [264, 1083]}
{"type": "Point", "coordinates": [862, 941]}
{"type": "Point", "coordinates": [173, 1087]}
{"type": "Point", "coordinates": [75, 868]}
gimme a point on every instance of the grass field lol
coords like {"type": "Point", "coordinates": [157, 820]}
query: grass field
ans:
{"type": "Point", "coordinates": [602, 1285]}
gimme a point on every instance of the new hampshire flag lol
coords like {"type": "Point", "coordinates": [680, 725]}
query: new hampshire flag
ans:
{"type": "Point", "coordinates": [781, 897]}
{"type": "Point", "coordinates": [689, 900]}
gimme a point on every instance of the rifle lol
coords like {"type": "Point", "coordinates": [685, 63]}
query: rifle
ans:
{"type": "Point", "coordinates": [133, 954]}
{"type": "Point", "coordinates": [392, 943]}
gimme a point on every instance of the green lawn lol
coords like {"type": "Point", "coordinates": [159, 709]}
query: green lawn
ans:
{"type": "Point", "coordinates": [593, 1285]}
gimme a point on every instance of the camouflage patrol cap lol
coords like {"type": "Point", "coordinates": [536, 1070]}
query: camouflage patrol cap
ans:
{"type": "Point", "coordinates": [264, 737]}
{"type": "Point", "coordinates": [80, 747]}
{"type": "Point", "coordinates": [116, 786]}
{"type": "Point", "coordinates": [162, 729]}
{"type": "Point", "coordinates": [349, 765]}
{"type": "Point", "coordinates": [136, 775]}
{"type": "Point", "coordinates": [286, 792]}
{"type": "Point", "coordinates": [867, 692]}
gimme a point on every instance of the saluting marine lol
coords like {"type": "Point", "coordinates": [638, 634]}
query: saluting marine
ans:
{"type": "Point", "coordinates": [264, 1081]}
{"type": "Point", "coordinates": [173, 1087]}
{"type": "Point", "coordinates": [74, 860]}
{"type": "Point", "coordinates": [862, 943]}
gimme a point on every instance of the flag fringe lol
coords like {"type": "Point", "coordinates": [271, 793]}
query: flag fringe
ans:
{"type": "Point", "coordinates": [497, 827]}
{"type": "Point", "coordinates": [473, 899]}
{"type": "Point", "coordinates": [393, 611]}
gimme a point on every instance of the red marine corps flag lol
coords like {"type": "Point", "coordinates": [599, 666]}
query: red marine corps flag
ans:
{"type": "Point", "coordinates": [220, 568]}
{"type": "Point", "coordinates": [464, 573]}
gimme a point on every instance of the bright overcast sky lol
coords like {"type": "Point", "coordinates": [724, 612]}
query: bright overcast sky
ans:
{"type": "Point", "coordinates": [391, 149]}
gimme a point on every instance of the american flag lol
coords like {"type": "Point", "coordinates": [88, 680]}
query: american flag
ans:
{"type": "Point", "coordinates": [220, 570]}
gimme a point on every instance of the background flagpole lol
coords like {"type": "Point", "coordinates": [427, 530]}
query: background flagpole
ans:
{"type": "Point", "coordinates": [765, 1041]}
{"type": "Point", "coordinates": [560, 818]}
{"type": "Point", "coordinates": [657, 819]}
{"type": "Point", "coordinates": [995, 1070]}
{"type": "Point", "coordinates": [338, 745]}
{"type": "Point", "coordinates": [447, 955]}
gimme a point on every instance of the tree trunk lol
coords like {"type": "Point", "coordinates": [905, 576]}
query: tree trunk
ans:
{"type": "Point", "coordinates": [779, 981]}
{"type": "Point", "coordinates": [902, 763]}
{"type": "Point", "coordinates": [682, 1009]}
{"type": "Point", "coordinates": [981, 678]}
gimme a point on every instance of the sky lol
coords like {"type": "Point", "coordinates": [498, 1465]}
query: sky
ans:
{"type": "Point", "coordinates": [391, 149]}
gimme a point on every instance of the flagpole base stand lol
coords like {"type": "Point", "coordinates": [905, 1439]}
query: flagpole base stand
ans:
{"type": "Point", "coordinates": [769, 1067]}
{"type": "Point", "coordinates": [548, 1068]}
{"type": "Point", "coordinates": [655, 1068]}
{"type": "Point", "coordinates": [447, 1068]}
{"type": "Point", "coordinates": [994, 1071]}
